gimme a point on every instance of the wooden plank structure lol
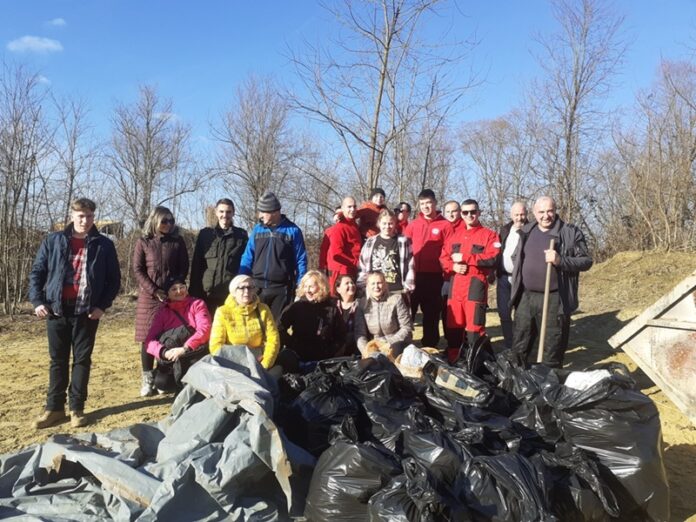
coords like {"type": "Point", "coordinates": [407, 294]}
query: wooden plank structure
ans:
{"type": "Point", "coordinates": [662, 341]}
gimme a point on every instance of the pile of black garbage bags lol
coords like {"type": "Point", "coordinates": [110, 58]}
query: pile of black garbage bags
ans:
{"type": "Point", "coordinates": [355, 440]}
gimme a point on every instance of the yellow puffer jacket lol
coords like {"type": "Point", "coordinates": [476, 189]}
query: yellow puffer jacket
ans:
{"type": "Point", "coordinates": [241, 324]}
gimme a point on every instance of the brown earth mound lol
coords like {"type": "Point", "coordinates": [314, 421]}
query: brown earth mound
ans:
{"type": "Point", "coordinates": [611, 293]}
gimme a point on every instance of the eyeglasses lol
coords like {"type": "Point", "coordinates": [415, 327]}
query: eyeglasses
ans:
{"type": "Point", "coordinates": [247, 288]}
{"type": "Point", "coordinates": [469, 212]}
{"type": "Point", "coordinates": [167, 221]}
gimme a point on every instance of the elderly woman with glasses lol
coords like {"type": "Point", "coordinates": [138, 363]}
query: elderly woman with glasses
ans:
{"type": "Point", "coordinates": [160, 254]}
{"type": "Point", "coordinates": [244, 320]}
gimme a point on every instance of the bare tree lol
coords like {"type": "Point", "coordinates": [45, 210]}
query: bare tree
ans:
{"type": "Point", "coordinates": [149, 158]}
{"type": "Point", "coordinates": [378, 83]}
{"type": "Point", "coordinates": [579, 60]}
{"type": "Point", "coordinates": [259, 150]}
{"type": "Point", "coordinates": [25, 140]}
{"type": "Point", "coordinates": [74, 150]}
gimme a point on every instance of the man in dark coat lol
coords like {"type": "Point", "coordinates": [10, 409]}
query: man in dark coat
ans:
{"type": "Point", "coordinates": [509, 238]}
{"type": "Point", "coordinates": [568, 258]}
{"type": "Point", "coordinates": [216, 257]}
{"type": "Point", "coordinates": [74, 278]}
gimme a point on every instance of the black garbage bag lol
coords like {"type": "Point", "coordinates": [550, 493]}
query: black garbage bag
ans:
{"type": "Point", "coordinates": [345, 477]}
{"type": "Point", "coordinates": [324, 403]}
{"type": "Point", "coordinates": [621, 426]}
{"type": "Point", "coordinates": [446, 386]}
{"type": "Point", "coordinates": [413, 497]}
{"type": "Point", "coordinates": [504, 488]}
{"type": "Point", "coordinates": [428, 443]}
{"type": "Point", "coordinates": [390, 420]}
{"type": "Point", "coordinates": [378, 377]}
{"type": "Point", "coordinates": [577, 492]}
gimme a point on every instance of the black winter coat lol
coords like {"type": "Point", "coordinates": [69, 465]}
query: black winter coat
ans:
{"type": "Point", "coordinates": [215, 262]}
{"type": "Point", "coordinates": [318, 331]}
{"type": "Point", "coordinates": [575, 258]}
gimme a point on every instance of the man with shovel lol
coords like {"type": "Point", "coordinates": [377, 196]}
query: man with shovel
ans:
{"type": "Point", "coordinates": [534, 256]}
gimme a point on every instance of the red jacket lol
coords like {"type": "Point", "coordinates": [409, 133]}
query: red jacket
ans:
{"type": "Point", "coordinates": [340, 248]}
{"type": "Point", "coordinates": [368, 213]}
{"type": "Point", "coordinates": [480, 247]}
{"type": "Point", "coordinates": [427, 236]}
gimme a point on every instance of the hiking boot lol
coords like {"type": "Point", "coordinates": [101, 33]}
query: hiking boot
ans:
{"type": "Point", "coordinates": [77, 419]}
{"type": "Point", "coordinates": [147, 388]}
{"type": "Point", "coordinates": [49, 418]}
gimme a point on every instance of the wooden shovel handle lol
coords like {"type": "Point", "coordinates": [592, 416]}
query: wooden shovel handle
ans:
{"type": "Point", "coordinates": [545, 309]}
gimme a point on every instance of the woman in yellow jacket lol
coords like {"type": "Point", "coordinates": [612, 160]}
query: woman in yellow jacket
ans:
{"type": "Point", "coordinates": [244, 320]}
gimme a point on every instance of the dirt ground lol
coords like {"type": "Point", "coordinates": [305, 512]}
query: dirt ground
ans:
{"type": "Point", "coordinates": [610, 295]}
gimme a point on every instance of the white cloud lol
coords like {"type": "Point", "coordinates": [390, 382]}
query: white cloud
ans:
{"type": "Point", "coordinates": [44, 80]}
{"type": "Point", "coordinates": [57, 22]}
{"type": "Point", "coordinates": [34, 44]}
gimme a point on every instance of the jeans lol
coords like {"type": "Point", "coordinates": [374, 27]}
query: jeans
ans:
{"type": "Point", "coordinates": [65, 332]}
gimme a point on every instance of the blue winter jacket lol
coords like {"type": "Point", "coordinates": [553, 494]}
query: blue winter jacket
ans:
{"type": "Point", "coordinates": [48, 272]}
{"type": "Point", "coordinates": [275, 256]}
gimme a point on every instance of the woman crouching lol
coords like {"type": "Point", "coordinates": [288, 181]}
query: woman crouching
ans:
{"type": "Point", "coordinates": [244, 320]}
{"type": "Point", "coordinates": [178, 336]}
{"type": "Point", "coordinates": [383, 317]}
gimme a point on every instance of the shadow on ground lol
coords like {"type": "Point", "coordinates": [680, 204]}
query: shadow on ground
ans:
{"type": "Point", "coordinates": [130, 406]}
{"type": "Point", "coordinates": [680, 460]}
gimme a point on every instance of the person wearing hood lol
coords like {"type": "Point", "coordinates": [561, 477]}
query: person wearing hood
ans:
{"type": "Point", "coordinates": [275, 255]}
{"type": "Point", "coordinates": [340, 247]}
{"type": "Point", "coordinates": [178, 336]}
{"type": "Point", "coordinates": [159, 255]}
{"type": "Point", "coordinates": [426, 233]}
{"type": "Point", "coordinates": [244, 320]}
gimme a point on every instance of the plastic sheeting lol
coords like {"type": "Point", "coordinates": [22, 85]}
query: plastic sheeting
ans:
{"type": "Point", "coordinates": [218, 456]}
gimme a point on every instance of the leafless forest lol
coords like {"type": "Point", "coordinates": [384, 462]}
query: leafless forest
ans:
{"type": "Point", "coordinates": [379, 105]}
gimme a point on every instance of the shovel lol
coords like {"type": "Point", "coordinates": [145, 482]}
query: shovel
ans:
{"type": "Point", "coordinates": [545, 308]}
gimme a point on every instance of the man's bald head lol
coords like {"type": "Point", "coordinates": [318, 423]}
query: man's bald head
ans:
{"type": "Point", "coordinates": [518, 214]}
{"type": "Point", "coordinates": [348, 207]}
{"type": "Point", "coordinates": [545, 212]}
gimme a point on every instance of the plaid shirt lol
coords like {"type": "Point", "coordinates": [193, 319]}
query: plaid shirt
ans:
{"type": "Point", "coordinates": [76, 275]}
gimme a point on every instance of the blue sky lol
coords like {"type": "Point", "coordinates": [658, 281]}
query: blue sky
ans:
{"type": "Point", "coordinates": [198, 52]}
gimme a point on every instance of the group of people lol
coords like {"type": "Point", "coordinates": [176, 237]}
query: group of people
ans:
{"type": "Point", "coordinates": [377, 267]}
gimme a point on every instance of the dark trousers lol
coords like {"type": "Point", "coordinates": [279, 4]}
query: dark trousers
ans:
{"type": "Point", "coordinates": [147, 361]}
{"type": "Point", "coordinates": [503, 290]}
{"type": "Point", "coordinates": [528, 324]}
{"type": "Point", "coordinates": [277, 299]}
{"type": "Point", "coordinates": [69, 331]}
{"type": "Point", "coordinates": [427, 295]}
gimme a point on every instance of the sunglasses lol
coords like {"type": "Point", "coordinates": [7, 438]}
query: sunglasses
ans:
{"type": "Point", "coordinates": [469, 212]}
{"type": "Point", "coordinates": [246, 288]}
{"type": "Point", "coordinates": [167, 221]}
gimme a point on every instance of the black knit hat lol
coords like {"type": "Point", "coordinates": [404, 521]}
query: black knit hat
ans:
{"type": "Point", "coordinates": [268, 202]}
{"type": "Point", "coordinates": [173, 280]}
{"type": "Point", "coordinates": [377, 190]}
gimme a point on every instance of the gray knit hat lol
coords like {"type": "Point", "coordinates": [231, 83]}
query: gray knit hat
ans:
{"type": "Point", "coordinates": [268, 202]}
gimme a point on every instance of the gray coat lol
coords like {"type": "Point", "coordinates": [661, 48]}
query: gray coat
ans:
{"type": "Point", "coordinates": [388, 320]}
{"type": "Point", "coordinates": [575, 258]}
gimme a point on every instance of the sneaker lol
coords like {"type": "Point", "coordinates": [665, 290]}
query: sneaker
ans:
{"type": "Point", "coordinates": [50, 418]}
{"type": "Point", "coordinates": [77, 419]}
{"type": "Point", "coordinates": [147, 388]}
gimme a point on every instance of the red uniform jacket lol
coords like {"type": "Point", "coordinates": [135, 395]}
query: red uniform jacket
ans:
{"type": "Point", "coordinates": [480, 247]}
{"type": "Point", "coordinates": [367, 214]}
{"type": "Point", "coordinates": [340, 248]}
{"type": "Point", "coordinates": [426, 240]}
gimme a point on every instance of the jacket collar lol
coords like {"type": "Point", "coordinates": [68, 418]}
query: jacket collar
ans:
{"type": "Point", "coordinates": [68, 231]}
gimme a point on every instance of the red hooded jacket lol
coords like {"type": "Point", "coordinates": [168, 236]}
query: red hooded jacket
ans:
{"type": "Point", "coordinates": [340, 248]}
{"type": "Point", "coordinates": [427, 238]}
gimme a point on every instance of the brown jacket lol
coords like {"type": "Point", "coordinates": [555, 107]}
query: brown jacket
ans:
{"type": "Point", "coordinates": [154, 260]}
{"type": "Point", "coordinates": [387, 320]}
